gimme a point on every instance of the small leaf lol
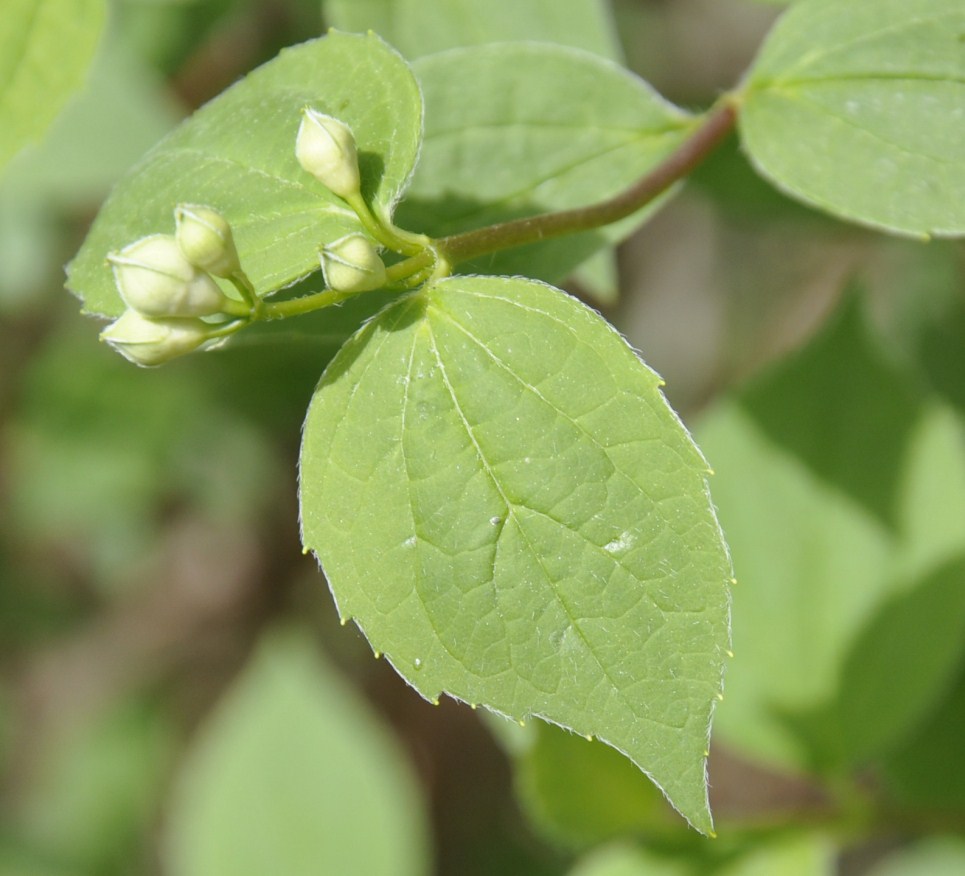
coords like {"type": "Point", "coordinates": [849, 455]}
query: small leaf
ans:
{"type": "Point", "coordinates": [858, 108]}
{"type": "Point", "coordinates": [518, 129]}
{"type": "Point", "coordinates": [293, 776]}
{"type": "Point", "coordinates": [502, 499]}
{"type": "Point", "coordinates": [237, 155]}
{"type": "Point", "coordinates": [46, 47]}
{"type": "Point", "coordinates": [418, 28]}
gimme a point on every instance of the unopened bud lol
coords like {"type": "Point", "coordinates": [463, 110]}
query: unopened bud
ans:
{"type": "Point", "coordinates": [325, 147]}
{"type": "Point", "coordinates": [146, 341]}
{"type": "Point", "coordinates": [351, 264]}
{"type": "Point", "coordinates": [155, 279]}
{"type": "Point", "coordinates": [205, 238]}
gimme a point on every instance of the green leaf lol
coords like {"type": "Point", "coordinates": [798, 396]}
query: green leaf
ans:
{"type": "Point", "coordinates": [46, 47]}
{"type": "Point", "coordinates": [122, 111]}
{"type": "Point", "coordinates": [928, 771]}
{"type": "Point", "coordinates": [293, 775]}
{"type": "Point", "coordinates": [858, 108]}
{"type": "Point", "coordinates": [901, 663]}
{"type": "Point", "coordinates": [518, 129]}
{"type": "Point", "coordinates": [627, 860]}
{"type": "Point", "coordinates": [98, 787]}
{"type": "Point", "coordinates": [418, 28]}
{"type": "Point", "coordinates": [583, 793]}
{"type": "Point", "coordinates": [797, 854]}
{"type": "Point", "coordinates": [831, 669]}
{"type": "Point", "coordinates": [504, 502]}
{"type": "Point", "coordinates": [811, 402]}
{"type": "Point", "coordinates": [237, 154]}
{"type": "Point", "coordinates": [934, 856]}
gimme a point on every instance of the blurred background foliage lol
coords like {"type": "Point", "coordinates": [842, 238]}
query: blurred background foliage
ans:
{"type": "Point", "coordinates": [176, 695]}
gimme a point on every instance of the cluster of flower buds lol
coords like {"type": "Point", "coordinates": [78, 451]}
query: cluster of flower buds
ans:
{"type": "Point", "coordinates": [325, 147]}
{"type": "Point", "coordinates": [166, 282]}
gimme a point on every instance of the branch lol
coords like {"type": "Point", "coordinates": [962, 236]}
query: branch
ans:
{"type": "Point", "coordinates": [717, 125]}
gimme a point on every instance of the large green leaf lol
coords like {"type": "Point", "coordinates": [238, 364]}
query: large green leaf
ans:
{"type": "Point", "coordinates": [858, 108]}
{"type": "Point", "coordinates": [504, 502]}
{"type": "Point", "coordinates": [518, 129]}
{"type": "Point", "coordinates": [293, 775]}
{"type": "Point", "coordinates": [237, 154]}
{"type": "Point", "coordinates": [46, 47]}
{"type": "Point", "coordinates": [417, 27]}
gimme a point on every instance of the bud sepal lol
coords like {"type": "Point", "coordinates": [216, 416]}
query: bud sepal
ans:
{"type": "Point", "coordinates": [352, 264]}
{"type": "Point", "coordinates": [155, 279]}
{"type": "Point", "coordinates": [326, 148]}
{"type": "Point", "coordinates": [205, 239]}
{"type": "Point", "coordinates": [148, 341]}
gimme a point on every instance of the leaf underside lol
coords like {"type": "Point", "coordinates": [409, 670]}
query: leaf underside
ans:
{"type": "Point", "coordinates": [503, 501]}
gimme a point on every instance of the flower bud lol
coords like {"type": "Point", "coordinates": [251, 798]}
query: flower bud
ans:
{"type": "Point", "coordinates": [147, 342]}
{"type": "Point", "coordinates": [325, 147]}
{"type": "Point", "coordinates": [205, 239]}
{"type": "Point", "coordinates": [155, 279]}
{"type": "Point", "coordinates": [351, 264]}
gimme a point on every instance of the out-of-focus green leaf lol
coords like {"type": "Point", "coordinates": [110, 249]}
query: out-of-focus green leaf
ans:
{"type": "Point", "coordinates": [46, 47]}
{"type": "Point", "coordinates": [843, 409]}
{"type": "Point", "coordinates": [936, 856]}
{"type": "Point", "coordinates": [897, 667]}
{"type": "Point", "coordinates": [417, 27]}
{"type": "Point", "coordinates": [237, 154]}
{"type": "Point", "coordinates": [800, 854]}
{"type": "Point", "coordinates": [583, 793]}
{"type": "Point", "coordinates": [97, 446]}
{"type": "Point", "coordinates": [122, 112]}
{"type": "Point", "coordinates": [628, 860]}
{"type": "Point", "coordinates": [518, 129]}
{"type": "Point", "coordinates": [502, 499]}
{"type": "Point", "coordinates": [928, 771]}
{"type": "Point", "coordinates": [293, 775]}
{"type": "Point", "coordinates": [823, 583]}
{"type": "Point", "coordinates": [858, 108]}
{"type": "Point", "coordinates": [99, 789]}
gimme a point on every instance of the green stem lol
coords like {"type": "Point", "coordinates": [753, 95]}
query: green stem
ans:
{"type": "Point", "coordinates": [239, 279]}
{"type": "Point", "coordinates": [305, 304]}
{"type": "Point", "coordinates": [237, 308]}
{"type": "Point", "coordinates": [708, 136]}
{"type": "Point", "coordinates": [386, 233]}
{"type": "Point", "coordinates": [396, 274]}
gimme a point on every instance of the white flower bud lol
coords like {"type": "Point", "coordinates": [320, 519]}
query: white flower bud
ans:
{"type": "Point", "coordinates": [147, 342]}
{"type": "Point", "coordinates": [325, 147]}
{"type": "Point", "coordinates": [205, 238]}
{"type": "Point", "coordinates": [351, 264]}
{"type": "Point", "coordinates": [155, 279]}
